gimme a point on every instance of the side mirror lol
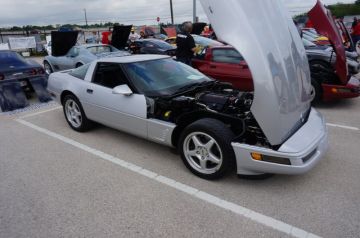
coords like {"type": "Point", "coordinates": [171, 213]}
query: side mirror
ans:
{"type": "Point", "coordinates": [122, 90]}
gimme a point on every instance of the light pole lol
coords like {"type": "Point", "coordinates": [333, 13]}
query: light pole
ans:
{"type": "Point", "coordinates": [194, 11]}
{"type": "Point", "coordinates": [85, 18]}
{"type": "Point", "coordinates": [172, 12]}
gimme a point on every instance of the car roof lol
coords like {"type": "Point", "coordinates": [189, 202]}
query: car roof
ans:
{"type": "Point", "coordinates": [133, 58]}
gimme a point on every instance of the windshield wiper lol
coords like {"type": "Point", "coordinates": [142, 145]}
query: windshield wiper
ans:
{"type": "Point", "coordinates": [196, 85]}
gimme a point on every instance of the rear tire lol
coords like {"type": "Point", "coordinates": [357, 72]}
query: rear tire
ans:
{"type": "Point", "coordinates": [206, 150]}
{"type": "Point", "coordinates": [48, 68]}
{"type": "Point", "coordinates": [75, 115]}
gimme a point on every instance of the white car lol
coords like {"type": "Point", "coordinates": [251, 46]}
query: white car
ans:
{"type": "Point", "coordinates": [214, 127]}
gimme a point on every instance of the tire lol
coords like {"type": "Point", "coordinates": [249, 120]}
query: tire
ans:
{"type": "Point", "coordinates": [205, 148]}
{"type": "Point", "coordinates": [317, 91]}
{"type": "Point", "coordinates": [75, 115]}
{"type": "Point", "coordinates": [48, 68]}
{"type": "Point", "coordinates": [78, 65]}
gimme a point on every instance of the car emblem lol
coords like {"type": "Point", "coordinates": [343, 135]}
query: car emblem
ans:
{"type": "Point", "coordinates": [16, 74]}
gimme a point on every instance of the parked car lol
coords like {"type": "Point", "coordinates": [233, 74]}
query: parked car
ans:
{"type": "Point", "coordinates": [80, 55]}
{"type": "Point", "coordinates": [214, 126]}
{"type": "Point", "coordinates": [224, 63]}
{"type": "Point", "coordinates": [13, 66]}
{"type": "Point", "coordinates": [152, 46]}
{"type": "Point", "coordinates": [332, 80]}
{"type": "Point", "coordinates": [19, 78]}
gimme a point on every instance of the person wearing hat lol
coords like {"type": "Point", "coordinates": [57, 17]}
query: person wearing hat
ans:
{"type": "Point", "coordinates": [185, 44]}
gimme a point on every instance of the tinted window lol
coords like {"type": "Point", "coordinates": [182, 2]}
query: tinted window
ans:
{"type": "Point", "coordinates": [109, 75]}
{"type": "Point", "coordinates": [80, 72]}
{"type": "Point", "coordinates": [101, 49]}
{"type": "Point", "coordinates": [73, 52]}
{"type": "Point", "coordinates": [163, 45]}
{"type": "Point", "coordinates": [227, 56]}
{"type": "Point", "coordinates": [9, 58]}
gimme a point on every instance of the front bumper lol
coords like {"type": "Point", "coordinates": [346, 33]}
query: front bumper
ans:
{"type": "Point", "coordinates": [303, 151]}
{"type": "Point", "coordinates": [334, 92]}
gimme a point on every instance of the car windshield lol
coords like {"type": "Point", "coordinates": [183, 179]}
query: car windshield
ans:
{"type": "Point", "coordinates": [9, 58]}
{"type": "Point", "coordinates": [163, 45]}
{"type": "Point", "coordinates": [205, 42]}
{"type": "Point", "coordinates": [163, 77]}
{"type": "Point", "coordinates": [101, 49]}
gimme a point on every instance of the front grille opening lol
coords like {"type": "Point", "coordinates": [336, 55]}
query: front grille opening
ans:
{"type": "Point", "coordinates": [276, 160]}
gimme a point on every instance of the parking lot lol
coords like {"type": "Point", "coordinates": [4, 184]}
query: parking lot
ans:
{"type": "Point", "coordinates": [103, 183]}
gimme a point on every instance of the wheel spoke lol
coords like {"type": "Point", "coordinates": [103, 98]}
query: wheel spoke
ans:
{"type": "Point", "coordinates": [77, 120]}
{"type": "Point", "coordinates": [192, 153]}
{"type": "Point", "coordinates": [196, 141]}
{"type": "Point", "coordinates": [213, 158]}
{"type": "Point", "coordinates": [210, 144]}
{"type": "Point", "coordinates": [203, 164]}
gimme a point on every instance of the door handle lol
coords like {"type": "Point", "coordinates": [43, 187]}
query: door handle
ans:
{"type": "Point", "coordinates": [89, 91]}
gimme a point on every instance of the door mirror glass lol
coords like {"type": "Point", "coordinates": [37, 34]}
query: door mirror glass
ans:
{"type": "Point", "coordinates": [123, 90]}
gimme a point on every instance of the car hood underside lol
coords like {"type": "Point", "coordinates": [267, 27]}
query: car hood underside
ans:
{"type": "Point", "coordinates": [276, 57]}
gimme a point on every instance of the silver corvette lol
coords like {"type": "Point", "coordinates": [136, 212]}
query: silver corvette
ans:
{"type": "Point", "coordinates": [214, 127]}
{"type": "Point", "coordinates": [80, 55]}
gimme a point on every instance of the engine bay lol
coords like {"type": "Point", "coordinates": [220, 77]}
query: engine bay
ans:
{"type": "Point", "coordinates": [220, 102]}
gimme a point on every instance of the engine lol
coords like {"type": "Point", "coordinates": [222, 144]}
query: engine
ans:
{"type": "Point", "coordinates": [228, 105]}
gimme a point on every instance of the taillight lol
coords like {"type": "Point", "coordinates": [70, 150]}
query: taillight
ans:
{"type": "Point", "coordinates": [41, 71]}
{"type": "Point", "coordinates": [33, 72]}
{"type": "Point", "coordinates": [2, 77]}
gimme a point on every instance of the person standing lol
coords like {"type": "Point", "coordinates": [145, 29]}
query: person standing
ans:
{"type": "Point", "coordinates": [356, 33]}
{"type": "Point", "coordinates": [185, 44]}
{"type": "Point", "coordinates": [354, 22]}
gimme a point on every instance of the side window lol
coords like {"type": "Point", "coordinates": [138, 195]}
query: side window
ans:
{"type": "Point", "coordinates": [149, 44]}
{"type": "Point", "coordinates": [80, 72]}
{"type": "Point", "coordinates": [227, 56]}
{"type": "Point", "coordinates": [73, 52]}
{"type": "Point", "coordinates": [109, 75]}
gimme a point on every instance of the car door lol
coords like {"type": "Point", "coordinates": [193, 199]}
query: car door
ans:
{"type": "Point", "coordinates": [229, 66]}
{"type": "Point", "coordinates": [68, 61]}
{"type": "Point", "coordinates": [126, 113]}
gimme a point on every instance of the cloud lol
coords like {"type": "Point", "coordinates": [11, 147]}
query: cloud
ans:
{"type": "Point", "coordinates": [138, 12]}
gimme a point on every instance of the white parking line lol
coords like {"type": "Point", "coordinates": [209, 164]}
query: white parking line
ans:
{"type": "Point", "coordinates": [237, 209]}
{"type": "Point", "coordinates": [343, 127]}
{"type": "Point", "coordinates": [41, 112]}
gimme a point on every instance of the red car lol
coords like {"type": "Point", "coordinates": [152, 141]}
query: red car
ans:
{"type": "Point", "coordinates": [224, 63]}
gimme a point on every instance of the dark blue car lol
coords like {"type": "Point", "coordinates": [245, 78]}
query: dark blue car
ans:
{"type": "Point", "coordinates": [14, 67]}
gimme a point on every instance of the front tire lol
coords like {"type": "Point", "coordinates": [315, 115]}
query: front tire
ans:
{"type": "Point", "coordinates": [317, 91]}
{"type": "Point", "coordinates": [206, 150]}
{"type": "Point", "coordinates": [75, 115]}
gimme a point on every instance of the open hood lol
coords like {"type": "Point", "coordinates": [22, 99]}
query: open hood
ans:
{"type": "Point", "coordinates": [198, 28]}
{"type": "Point", "coordinates": [170, 31]}
{"type": "Point", "coordinates": [324, 24]}
{"type": "Point", "coordinates": [61, 42]}
{"type": "Point", "coordinates": [266, 36]}
{"type": "Point", "coordinates": [120, 36]}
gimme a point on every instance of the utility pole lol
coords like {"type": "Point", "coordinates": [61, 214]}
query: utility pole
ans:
{"type": "Point", "coordinates": [172, 12]}
{"type": "Point", "coordinates": [194, 11]}
{"type": "Point", "coordinates": [86, 18]}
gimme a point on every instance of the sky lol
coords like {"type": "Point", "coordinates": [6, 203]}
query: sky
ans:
{"type": "Point", "coordinates": [137, 12]}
